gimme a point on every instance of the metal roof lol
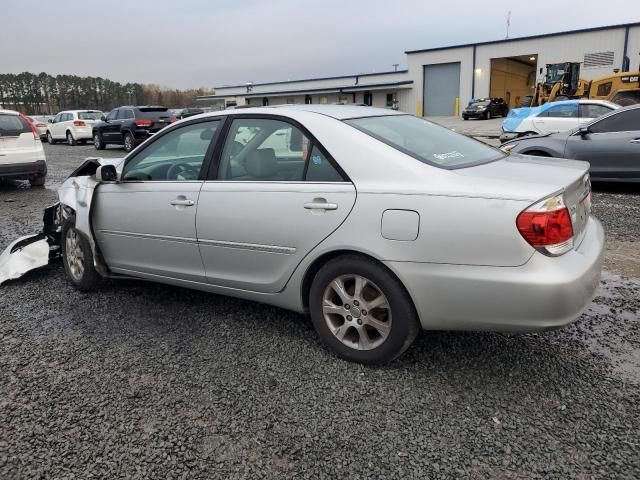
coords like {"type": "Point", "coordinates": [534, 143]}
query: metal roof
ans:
{"type": "Point", "coordinates": [531, 37]}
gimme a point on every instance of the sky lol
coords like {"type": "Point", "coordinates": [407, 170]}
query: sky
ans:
{"type": "Point", "coordinates": [200, 43]}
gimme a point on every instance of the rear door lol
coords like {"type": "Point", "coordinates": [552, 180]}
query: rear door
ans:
{"type": "Point", "coordinates": [612, 147]}
{"type": "Point", "coordinates": [558, 118]}
{"type": "Point", "coordinates": [146, 223]}
{"type": "Point", "coordinates": [277, 194]}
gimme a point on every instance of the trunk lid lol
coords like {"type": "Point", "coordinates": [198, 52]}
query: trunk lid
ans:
{"type": "Point", "coordinates": [539, 177]}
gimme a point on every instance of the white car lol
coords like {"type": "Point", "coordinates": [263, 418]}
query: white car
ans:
{"type": "Point", "coordinates": [21, 153]}
{"type": "Point", "coordinates": [73, 126]}
{"type": "Point", "coordinates": [553, 117]}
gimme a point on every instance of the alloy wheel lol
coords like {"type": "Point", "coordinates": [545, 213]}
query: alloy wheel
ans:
{"type": "Point", "coordinates": [357, 312]}
{"type": "Point", "coordinates": [74, 254]}
{"type": "Point", "coordinates": [128, 143]}
{"type": "Point", "coordinates": [96, 141]}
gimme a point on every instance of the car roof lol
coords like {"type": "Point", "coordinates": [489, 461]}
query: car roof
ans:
{"type": "Point", "coordinates": [9, 112]}
{"type": "Point", "coordinates": [339, 112]}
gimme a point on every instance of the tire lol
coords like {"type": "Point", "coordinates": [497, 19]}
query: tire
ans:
{"type": "Point", "coordinates": [465, 118]}
{"type": "Point", "coordinates": [50, 139]}
{"type": "Point", "coordinates": [78, 258]}
{"type": "Point", "coordinates": [37, 181]}
{"type": "Point", "coordinates": [525, 101]}
{"type": "Point", "coordinates": [98, 143]}
{"type": "Point", "coordinates": [70, 140]}
{"type": "Point", "coordinates": [129, 142]}
{"type": "Point", "coordinates": [487, 115]}
{"type": "Point", "coordinates": [388, 331]}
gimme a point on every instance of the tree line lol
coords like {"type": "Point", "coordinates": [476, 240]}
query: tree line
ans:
{"type": "Point", "coordinates": [41, 94]}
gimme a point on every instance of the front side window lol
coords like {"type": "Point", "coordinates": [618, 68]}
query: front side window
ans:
{"type": "Point", "coordinates": [625, 121]}
{"type": "Point", "coordinates": [112, 114]}
{"type": "Point", "coordinates": [259, 149]}
{"type": "Point", "coordinates": [592, 110]}
{"type": "Point", "coordinates": [562, 111]}
{"type": "Point", "coordinates": [175, 156]}
{"type": "Point", "coordinates": [426, 141]}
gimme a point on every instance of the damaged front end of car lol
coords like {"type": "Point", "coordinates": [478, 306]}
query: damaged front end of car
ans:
{"type": "Point", "coordinates": [75, 198]}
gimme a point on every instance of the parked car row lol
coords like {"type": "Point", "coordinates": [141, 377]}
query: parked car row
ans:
{"type": "Point", "coordinates": [610, 143]}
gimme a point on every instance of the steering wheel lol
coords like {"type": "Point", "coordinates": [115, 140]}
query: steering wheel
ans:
{"type": "Point", "coordinates": [184, 170]}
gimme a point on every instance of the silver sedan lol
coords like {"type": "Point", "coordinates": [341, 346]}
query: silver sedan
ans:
{"type": "Point", "coordinates": [377, 223]}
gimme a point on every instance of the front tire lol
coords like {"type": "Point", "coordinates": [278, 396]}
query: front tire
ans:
{"type": "Point", "coordinates": [98, 143]}
{"type": "Point", "coordinates": [129, 142]}
{"type": "Point", "coordinates": [50, 139]}
{"type": "Point", "coordinates": [487, 115]}
{"type": "Point", "coordinates": [70, 140]}
{"type": "Point", "coordinates": [78, 258]}
{"type": "Point", "coordinates": [361, 311]}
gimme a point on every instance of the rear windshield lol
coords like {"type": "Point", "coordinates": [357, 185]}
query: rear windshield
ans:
{"type": "Point", "coordinates": [153, 109]}
{"type": "Point", "coordinates": [89, 115]}
{"type": "Point", "coordinates": [426, 141]}
{"type": "Point", "coordinates": [13, 125]}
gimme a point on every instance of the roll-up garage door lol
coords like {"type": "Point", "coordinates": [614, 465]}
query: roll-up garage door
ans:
{"type": "Point", "coordinates": [441, 88]}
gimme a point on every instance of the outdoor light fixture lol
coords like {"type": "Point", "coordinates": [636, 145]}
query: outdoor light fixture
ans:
{"type": "Point", "coordinates": [532, 58]}
{"type": "Point", "coordinates": [478, 71]}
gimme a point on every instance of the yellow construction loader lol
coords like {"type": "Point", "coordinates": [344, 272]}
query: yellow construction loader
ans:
{"type": "Point", "coordinates": [562, 82]}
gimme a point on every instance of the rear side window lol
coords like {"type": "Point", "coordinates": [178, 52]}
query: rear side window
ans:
{"type": "Point", "coordinates": [320, 169]}
{"type": "Point", "coordinates": [13, 125]}
{"type": "Point", "coordinates": [426, 141]}
{"type": "Point", "coordinates": [593, 110]}
{"type": "Point", "coordinates": [626, 121]}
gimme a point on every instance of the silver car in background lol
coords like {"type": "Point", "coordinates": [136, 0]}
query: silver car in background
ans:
{"type": "Point", "coordinates": [377, 223]}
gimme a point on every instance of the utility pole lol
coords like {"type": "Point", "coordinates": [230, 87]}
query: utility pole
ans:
{"type": "Point", "coordinates": [508, 23]}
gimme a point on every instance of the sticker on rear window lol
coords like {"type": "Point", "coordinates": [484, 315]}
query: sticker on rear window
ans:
{"type": "Point", "coordinates": [446, 155]}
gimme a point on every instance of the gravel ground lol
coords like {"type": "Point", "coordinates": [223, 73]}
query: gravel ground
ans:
{"type": "Point", "coordinates": [148, 381]}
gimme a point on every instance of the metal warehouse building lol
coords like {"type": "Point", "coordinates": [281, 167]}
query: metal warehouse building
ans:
{"type": "Point", "coordinates": [439, 81]}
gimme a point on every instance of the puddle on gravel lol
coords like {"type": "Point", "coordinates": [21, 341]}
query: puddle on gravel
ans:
{"type": "Point", "coordinates": [610, 325]}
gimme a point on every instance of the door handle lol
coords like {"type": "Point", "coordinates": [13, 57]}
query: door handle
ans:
{"type": "Point", "coordinates": [635, 140]}
{"type": "Point", "coordinates": [181, 201]}
{"type": "Point", "coordinates": [320, 204]}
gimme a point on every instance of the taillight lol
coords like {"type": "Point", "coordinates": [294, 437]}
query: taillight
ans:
{"type": "Point", "coordinates": [36, 136]}
{"type": "Point", "coordinates": [79, 123]}
{"type": "Point", "coordinates": [547, 226]}
{"type": "Point", "coordinates": [141, 122]}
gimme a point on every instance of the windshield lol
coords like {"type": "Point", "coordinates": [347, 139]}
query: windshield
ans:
{"type": "Point", "coordinates": [554, 74]}
{"type": "Point", "coordinates": [481, 102]}
{"type": "Point", "coordinates": [89, 115]}
{"type": "Point", "coordinates": [426, 141]}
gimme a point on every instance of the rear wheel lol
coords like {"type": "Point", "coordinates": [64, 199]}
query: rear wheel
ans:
{"type": "Point", "coordinates": [526, 101]}
{"type": "Point", "coordinates": [129, 142]}
{"type": "Point", "coordinates": [361, 311]}
{"type": "Point", "coordinates": [78, 258]}
{"type": "Point", "coordinates": [70, 140]}
{"type": "Point", "coordinates": [37, 181]}
{"type": "Point", "coordinates": [98, 142]}
{"type": "Point", "coordinates": [50, 138]}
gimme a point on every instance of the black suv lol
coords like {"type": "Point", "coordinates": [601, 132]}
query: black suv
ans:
{"type": "Point", "coordinates": [129, 126]}
{"type": "Point", "coordinates": [486, 108]}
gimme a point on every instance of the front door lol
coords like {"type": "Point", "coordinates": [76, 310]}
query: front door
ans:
{"type": "Point", "coordinates": [111, 126]}
{"type": "Point", "coordinates": [276, 196]}
{"type": "Point", "coordinates": [146, 222]}
{"type": "Point", "coordinates": [612, 146]}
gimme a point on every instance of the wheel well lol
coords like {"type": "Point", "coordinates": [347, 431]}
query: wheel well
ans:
{"type": "Point", "coordinates": [319, 262]}
{"type": "Point", "coordinates": [536, 153]}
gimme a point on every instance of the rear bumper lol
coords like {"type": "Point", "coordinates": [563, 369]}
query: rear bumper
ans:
{"type": "Point", "coordinates": [82, 133]}
{"type": "Point", "coordinates": [24, 170]}
{"type": "Point", "coordinates": [546, 292]}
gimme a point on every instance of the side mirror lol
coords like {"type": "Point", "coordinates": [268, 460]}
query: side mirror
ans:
{"type": "Point", "coordinates": [50, 120]}
{"type": "Point", "coordinates": [584, 131]}
{"type": "Point", "coordinates": [103, 118]}
{"type": "Point", "coordinates": [106, 173]}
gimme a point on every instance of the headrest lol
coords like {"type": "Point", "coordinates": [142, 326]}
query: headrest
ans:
{"type": "Point", "coordinates": [262, 163]}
